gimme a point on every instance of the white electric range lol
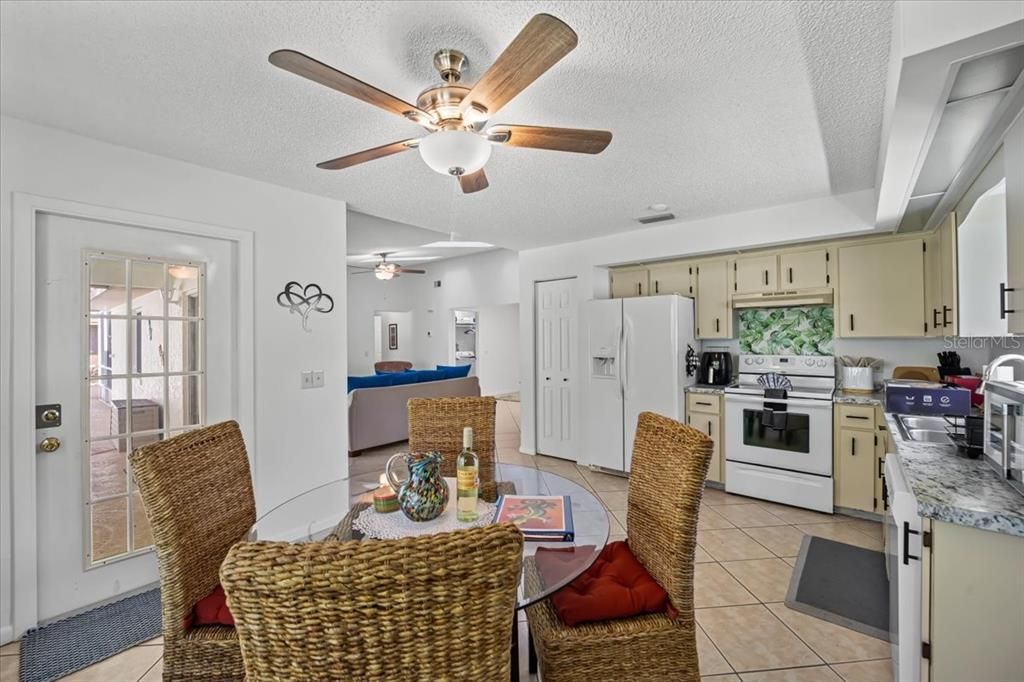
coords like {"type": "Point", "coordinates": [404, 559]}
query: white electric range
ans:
{"type": "Point", "coordinates": [779, 448]}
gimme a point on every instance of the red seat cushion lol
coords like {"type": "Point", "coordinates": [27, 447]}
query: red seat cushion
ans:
{"type": "Point", "coordinates": [615, 586]}
{"type": "Point", "coordinates": [211, 610]}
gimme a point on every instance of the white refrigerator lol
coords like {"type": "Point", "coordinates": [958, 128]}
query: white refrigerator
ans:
{"type": "Point", "coordinates": [635, 362]}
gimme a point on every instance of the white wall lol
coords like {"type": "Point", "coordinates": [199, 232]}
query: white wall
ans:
{"type": "Point", "coordinates": [368, 296]}
{"type": "Point", "coordinates": [497, 348]}
{"type": "Point", "coordinates": [406, 332]}
{"type": "Point", "coordinates": [587, 261]}
{"type": "Point", "coordinates": [297, 236]}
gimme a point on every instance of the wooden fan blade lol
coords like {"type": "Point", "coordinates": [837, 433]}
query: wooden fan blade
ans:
{"type": "Point", "coordinates": [412, 271]}
{"type": "Point", "coordinates": [542, 42]}
{"type": "Point", "coordinates": [577, 140]}
{"type": "Point", "coordinates": [367, 155]}
{"type": "Point", "coordinates": [307, 67]}
{"type": "Point", "coordinates": [474, 182]}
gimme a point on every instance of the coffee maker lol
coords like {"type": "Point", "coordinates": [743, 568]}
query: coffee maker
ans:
{"type": "Point", "coordinates": [715, 368]}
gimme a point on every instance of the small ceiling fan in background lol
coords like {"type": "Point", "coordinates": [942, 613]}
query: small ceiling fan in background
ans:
{"type": "Point", "coordinates": [385, 269]}
{"type": "Point", "coordinates": [455, 114]}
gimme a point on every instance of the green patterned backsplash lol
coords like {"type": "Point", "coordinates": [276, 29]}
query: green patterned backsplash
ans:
{"type": "Point", "coordinates": [806, 330]}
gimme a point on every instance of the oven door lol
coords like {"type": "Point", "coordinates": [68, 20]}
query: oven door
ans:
{"type": "Point", "coordinates": [792, 433]}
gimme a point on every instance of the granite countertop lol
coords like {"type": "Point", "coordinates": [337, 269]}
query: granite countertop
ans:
{"type": "Point", "coordinates": [705, 388]}
{"type": "Point", "coordinates": [851, 398]}
{"type": "Point", "coordinates": [955, 489]}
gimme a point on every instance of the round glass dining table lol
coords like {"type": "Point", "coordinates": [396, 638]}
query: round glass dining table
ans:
{"type": "Point", "coordinates": [313, 515]}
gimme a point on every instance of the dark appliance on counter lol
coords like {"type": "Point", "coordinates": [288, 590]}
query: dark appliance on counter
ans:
{"type": "Point", "coordinates": [715, 368]}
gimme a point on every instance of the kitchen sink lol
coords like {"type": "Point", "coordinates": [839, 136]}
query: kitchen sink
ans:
{"type": "Point", "coordinates": [929, 436]}
{"type": "Point", "coordinates": [927, 423]}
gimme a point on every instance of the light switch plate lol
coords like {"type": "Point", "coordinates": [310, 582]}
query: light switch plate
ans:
{"type": "Point", "coordinates": [307, 378]}
{"type": "Point", "coordinates": [318, 378]}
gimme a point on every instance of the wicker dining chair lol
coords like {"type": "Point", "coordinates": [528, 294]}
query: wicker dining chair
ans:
{"type": "Point", "coordinates": [666, 479]}
{"type": "Point", "coordinates": [435, 425]}
{"type": "Point", "coordinates": [197, 491]}
{"type": "Point", "coordinates": [431, 607]}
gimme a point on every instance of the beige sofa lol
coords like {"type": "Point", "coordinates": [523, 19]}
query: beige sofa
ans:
{"type": "Point", "coordinates": [377, 416]}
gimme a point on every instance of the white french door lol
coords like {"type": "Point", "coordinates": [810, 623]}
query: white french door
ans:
{"type": "Point", "coordinates": [555, 354]}
{"type": "Point", "coordinates": [135, 335]}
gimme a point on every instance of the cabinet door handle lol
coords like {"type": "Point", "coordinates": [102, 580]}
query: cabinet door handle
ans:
{"type": "Point", "coordinates": [857, 416]}
{"type": "Point", "coordinates": [657, 288]}
{"type": "Point", "coordinates": [946, 310]}
{"type": "Point", "coordinates": [935, 318]}
{"type": "Point", "coordinates": [639, 289]}
{"type": "Point", "coordinates": [853, 446]}
{"type": "Point", "coordinates": [880, 474]}
{"type": "Point", "coordinates": [907, 556]}
{"type": "Point", "coordinates": [697, 402]}
{"type": "Point", "coordinates": [766, 278]}
{"type": "Point", "coordinates": [1003, 310]}
{"type": "Point", "coordinates": [790, 275]}
{"type": "Point", "coordinates": [716, 324]}
{"type": "Point", "coordinates": [851, 322]}
{"type": "Point", "coordinates": [709, 428]}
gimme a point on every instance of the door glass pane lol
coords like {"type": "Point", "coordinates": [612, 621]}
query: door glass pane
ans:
{"type": "Point", "coordinates": [107, 468]}
{"type": "Point", "coordinates": [183, 400]}
{"type": "Point", "coordinates": [106, 408]}
{"type": "Point", "coordinates": [183, 346]}
{"type": "Point", "coordinates": [108, 346]}
{"type": "Point", "coordinates": [109, 528]}
{"type": "Point", "coordinates": [148, 288]}
{"type": "Point", "coordinates": [183, 291]}
{"type": "Point", "coordinates": [149, 351]}
{"type": "Point", "coordinates": [107, 291]}
{"type": "Point", "coordinates": [142, 536]}
{"type": "Point", "coordinates": [147, 404]}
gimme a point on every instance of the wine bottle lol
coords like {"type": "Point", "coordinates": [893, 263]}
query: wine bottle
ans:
{"type": "Point", "coordinates": [467, 486]}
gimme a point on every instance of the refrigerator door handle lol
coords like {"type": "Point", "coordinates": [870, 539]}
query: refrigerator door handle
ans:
{"type": "Point", "coordinates": [618, 359]}
{"type": "Point", "coordinates": [625, 353]}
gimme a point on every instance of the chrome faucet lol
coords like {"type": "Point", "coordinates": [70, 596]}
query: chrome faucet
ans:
{"type": "Point", "coordinates": [1002, 359]}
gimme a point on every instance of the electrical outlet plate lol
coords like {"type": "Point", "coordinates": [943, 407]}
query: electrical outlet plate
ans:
{"type": "Point", "coordinates": [318, 378]}
{"type": "Point", "coordinates": [307, 379]}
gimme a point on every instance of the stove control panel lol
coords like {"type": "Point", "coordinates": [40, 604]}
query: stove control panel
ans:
{"type": "Point", "coordinates": [812, 365]}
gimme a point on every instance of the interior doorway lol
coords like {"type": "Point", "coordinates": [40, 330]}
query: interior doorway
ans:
{"type": "Point", "coordinates": [465, 324]}
{"type": "Point", "coordinates": [393, 335]}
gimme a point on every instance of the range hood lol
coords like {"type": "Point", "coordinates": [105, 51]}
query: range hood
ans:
{"type": "Point", "coordinates": [778, 299]}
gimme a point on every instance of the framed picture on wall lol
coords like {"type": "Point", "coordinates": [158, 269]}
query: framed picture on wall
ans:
{"type": "Point", "coordinates": [392, 336]}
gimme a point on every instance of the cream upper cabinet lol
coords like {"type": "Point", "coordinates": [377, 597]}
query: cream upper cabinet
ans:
{"type": "Point", "coordinates": [933, 284]}
{"type": "Point", "coordinates": [1013, 298]}
{"type": "Point", "coordinates": [881, 289]}
{"type": "Point", "coordinates": [714, 315]}
{"type": "Point", "coordinates": [804, 270]}
{"type": "Point", "coordinates": [672, 278]}
{"type": "Point", "coordinates": [628, 282]}
{"type": "Point", "coordinates": [947, 262]}
{"type": "Point", "coordinates": [754, 274]}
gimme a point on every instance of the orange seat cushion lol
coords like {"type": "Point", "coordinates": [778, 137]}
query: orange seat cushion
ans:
{"type": "Point", "coordinates": [615, 586]}
{"type": "Point", "coordinates": [211, 610]}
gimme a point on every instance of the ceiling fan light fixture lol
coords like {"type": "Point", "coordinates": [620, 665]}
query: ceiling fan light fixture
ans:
{"type": "Point", "coordinates": [383, 274]}
{"type": "Point", "coordinates": [454, 152]}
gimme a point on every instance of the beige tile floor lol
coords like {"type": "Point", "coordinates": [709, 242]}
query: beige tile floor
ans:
{"type": "Point", "coordinates": [746, 551]}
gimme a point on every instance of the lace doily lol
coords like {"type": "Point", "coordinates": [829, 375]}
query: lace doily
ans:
{"type": "Point", "coordinates": [396, 525]}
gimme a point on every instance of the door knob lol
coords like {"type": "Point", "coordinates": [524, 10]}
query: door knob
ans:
{"type": "Point", "coordinates": [50, 416]}
{"type": "Point", "coordinates": [49, 444]}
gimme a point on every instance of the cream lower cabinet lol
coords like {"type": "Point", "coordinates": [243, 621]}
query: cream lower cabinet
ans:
{"type": "Point", "coordinates": [856, 457]}
{"type": "Point", "coordinates": [704, 413]}
{"type": "Point", "coordinates": [629, 282]}
{"type": "Point", "coordinates": [881, 289]}
{"type": "Point", "coordinates": [714, 313]}
{"type": "Point", "coordinates": [972, 597]}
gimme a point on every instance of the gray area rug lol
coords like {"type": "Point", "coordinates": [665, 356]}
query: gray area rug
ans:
{"type": "Point", "coordinates": [61, 648]}
{"type": "Point", "coordinates": [841, 584]}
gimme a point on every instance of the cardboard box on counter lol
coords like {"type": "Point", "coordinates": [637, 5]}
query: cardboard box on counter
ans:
{"type": "Point", "coordinates": [926, 397]}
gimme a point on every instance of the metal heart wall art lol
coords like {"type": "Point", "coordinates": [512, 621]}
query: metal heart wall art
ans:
{"type": "Point", "coordinates": [304, 300]}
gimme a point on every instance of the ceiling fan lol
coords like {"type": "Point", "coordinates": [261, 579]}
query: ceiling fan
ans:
{"type": "Point", "coordinates": [385, 269]}
{"type": "Point", "coordinates": [456, 114]}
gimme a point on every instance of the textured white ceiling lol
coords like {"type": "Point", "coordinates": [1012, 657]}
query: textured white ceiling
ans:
{"type": "Point", "coordinates": [715, 106]}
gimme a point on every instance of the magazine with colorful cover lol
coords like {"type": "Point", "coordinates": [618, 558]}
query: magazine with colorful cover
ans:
{"type": "Point", "coordinates": [540, 517]}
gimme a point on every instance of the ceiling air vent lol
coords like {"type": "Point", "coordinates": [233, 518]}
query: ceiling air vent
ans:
{"type": "Point", "coordinates": [656, 218]}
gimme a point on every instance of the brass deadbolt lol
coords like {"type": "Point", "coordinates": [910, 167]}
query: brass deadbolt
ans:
{"type": "Point", "coordinates": [50, 416]}
{"type": "Point", "coordinates": [49, 444]}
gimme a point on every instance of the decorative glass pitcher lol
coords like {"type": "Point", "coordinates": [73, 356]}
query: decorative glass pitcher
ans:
{"type": "Point", "coordinates": [424, 495]}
